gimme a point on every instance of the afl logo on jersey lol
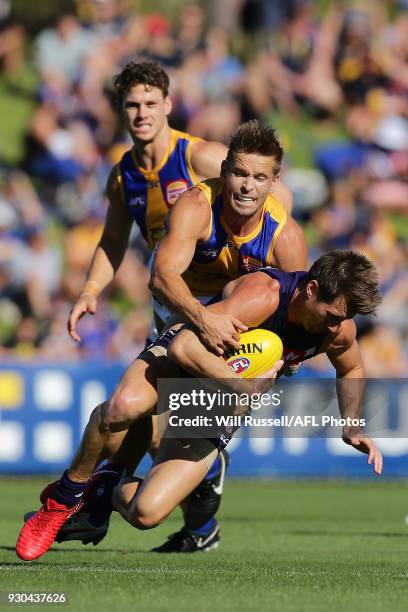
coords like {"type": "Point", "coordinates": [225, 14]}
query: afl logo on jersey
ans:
{"type": "Point", "coordinates": [240, 364]}
{"type": "Point", "coordinates": [138, 201]}
{"type": "Point", "coordinates": [174, 189]}
{"type": "Point", "coordinates": [207, 252]}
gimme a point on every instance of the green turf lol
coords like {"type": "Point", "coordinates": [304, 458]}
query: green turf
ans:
{"type": "Point", "coordinates": [306, 546]}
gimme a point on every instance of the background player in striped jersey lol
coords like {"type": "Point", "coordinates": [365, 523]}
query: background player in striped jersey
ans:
{"type": "Point", "coordinates": [142, 187]}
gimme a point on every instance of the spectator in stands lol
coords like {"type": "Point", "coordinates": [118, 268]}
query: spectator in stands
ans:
{"type": "Point", "coordinates": [346, 68]}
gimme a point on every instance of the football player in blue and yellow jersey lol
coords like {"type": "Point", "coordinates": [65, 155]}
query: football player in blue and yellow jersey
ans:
{"type": "Point", "coordinates": [149, 178]}
{"type": "Point", "coordinates": [231, 229]}
{"type": "Point", "coordinates": [223, 228]}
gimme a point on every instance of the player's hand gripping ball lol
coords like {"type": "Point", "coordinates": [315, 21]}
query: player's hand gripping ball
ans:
{"type": "Point", "coordinates": [260, 350]}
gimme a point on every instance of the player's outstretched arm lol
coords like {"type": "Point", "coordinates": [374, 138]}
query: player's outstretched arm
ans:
{"type": "Point", "coordinates": [107, 257]}
{"type": "Point", "coordinates": [189, 221]}
{"type": "Point", "coordinates": [344, 354]}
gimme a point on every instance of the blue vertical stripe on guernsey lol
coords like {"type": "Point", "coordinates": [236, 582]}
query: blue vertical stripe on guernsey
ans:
{"type": "Point", "coordinates": [258, 247]}
{"type": "Point", "coordinates": [210, 249]}
{"type": "Point", "coordinates": [135, 188]}
{"type": "Point", "coordinates": [175, 169]}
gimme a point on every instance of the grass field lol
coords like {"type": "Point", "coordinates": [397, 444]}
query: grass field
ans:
{"type": "Point", "coordinates": [285, 546]}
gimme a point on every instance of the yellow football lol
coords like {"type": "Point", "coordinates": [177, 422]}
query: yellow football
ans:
{"type": "Point", "coordinates": [260, 350]}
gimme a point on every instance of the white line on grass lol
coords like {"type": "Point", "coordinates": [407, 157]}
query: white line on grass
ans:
{"type": "Point", "coordinates": [165, 570]}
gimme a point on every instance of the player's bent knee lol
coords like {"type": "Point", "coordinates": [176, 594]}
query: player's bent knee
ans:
{"type": "Point", "coordinates": [146, 515]}
{"type": "Point", "coordinates": [125, 407]}
{"type": "Point", "coordinates": [146, 521]}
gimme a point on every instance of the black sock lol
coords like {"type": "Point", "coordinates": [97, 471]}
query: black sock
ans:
{"type": "Point", "coordinates": [68, 492]}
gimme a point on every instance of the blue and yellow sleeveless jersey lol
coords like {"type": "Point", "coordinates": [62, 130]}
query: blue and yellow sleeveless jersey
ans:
{"type": "Point", "coordinates": [148, 194]}
{"type": "Point", "coordinates": [223, 256]}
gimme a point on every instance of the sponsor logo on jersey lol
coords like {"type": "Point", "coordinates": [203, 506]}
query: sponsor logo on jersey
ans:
{"type": "Point", "coordinates": [174, 189]}
{"type": "Point", "coordinates": [240, 364]}
{"type": "Point", "coordinates": [138, 201]}
{"type": "Point", "coordinates": [250, 264]}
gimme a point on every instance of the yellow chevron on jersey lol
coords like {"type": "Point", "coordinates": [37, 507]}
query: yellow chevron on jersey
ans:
{"type": "Point", "coordinates": [223, 256]}
{"type": "Point", "coordinates": [148, 194]}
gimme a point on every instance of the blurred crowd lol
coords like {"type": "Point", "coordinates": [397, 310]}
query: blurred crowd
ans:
{"type": "Point", "coordinates": [337, 71]}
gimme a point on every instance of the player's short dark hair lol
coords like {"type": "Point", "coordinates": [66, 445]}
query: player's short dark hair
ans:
{"type": "Point", "coordinates": [349, 274]}
{"type": "Point", "coordinates": [256, 137]}
{"type": "Point", "coordinates": [150, 74]}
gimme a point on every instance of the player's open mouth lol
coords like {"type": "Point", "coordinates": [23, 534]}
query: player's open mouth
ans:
{"type": "Point", "coordinates": [242, 200]}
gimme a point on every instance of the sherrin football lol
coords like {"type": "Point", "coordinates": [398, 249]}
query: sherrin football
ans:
{"type": "Point", "coordinates": [260, 350]}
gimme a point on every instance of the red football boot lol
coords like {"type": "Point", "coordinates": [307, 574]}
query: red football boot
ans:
{"type": "Point", "coordinates": [39, 532]}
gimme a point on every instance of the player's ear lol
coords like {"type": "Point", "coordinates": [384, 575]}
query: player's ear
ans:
{"type": "Point", "coordinates": [168, 105]}
{"type": "Point", "coordinates": [312, 289]}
